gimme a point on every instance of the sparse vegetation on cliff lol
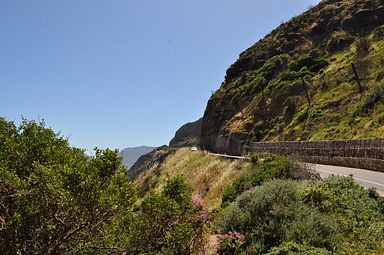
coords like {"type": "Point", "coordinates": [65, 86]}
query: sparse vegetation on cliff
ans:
{"type": "Point", "coordinates": [298, 82]}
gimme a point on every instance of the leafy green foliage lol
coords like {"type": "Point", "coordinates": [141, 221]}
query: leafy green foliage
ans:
{"type": "Point", "coordinates": [230, 243]}
{"type": "Point", "coordinates": [272, 66]}
{"type": "Point", "coordinates": [292, 248]}
{"type": "Point", "coordinates": [286, 217]}
{"type": "Point", "coordinates": [305, 65]}
{"type": "Point", "coordinates": [167, 223]}
{"type": "Point", "coordinates": [254, 82]}
{"type": "Point", "coordinates": [313, 62]}
{"type": "Point", "coordinates": [357, 211]}
{"type": "Point", "coordinates": [272, 167]}
{"type": "Point", "coordinates": [55, 199]}
{"type": "Point", "coordinates": [254, 158]}
{"type": "Point", "coordinates": [273, 213]}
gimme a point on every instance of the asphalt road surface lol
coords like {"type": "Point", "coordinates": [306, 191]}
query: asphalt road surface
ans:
{"type": "Point", "coordinates": [366, 178]}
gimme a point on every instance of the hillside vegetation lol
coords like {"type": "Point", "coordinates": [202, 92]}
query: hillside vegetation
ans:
{"type": "Point", "coordinates": [207, 174]}
{"type": "Point", "coordinates": [298, 82]}
{"type": "Point", "coordinates": [273, 206]}
{"type": "Point", "coordinates": [56, 200]}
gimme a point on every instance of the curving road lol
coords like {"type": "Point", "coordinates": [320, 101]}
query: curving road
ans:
{"type": "Point", "coordinates": [366, 178]}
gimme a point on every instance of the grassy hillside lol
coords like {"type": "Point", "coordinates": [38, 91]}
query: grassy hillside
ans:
{"type": "Point", "coordinates": [56, 200]}
{"type": "Point", "coordinates": [274, 206]}
{"type": "Point", "coordinates": [207, 175]}
{"type": "Point", "coordinates": [298, 83]}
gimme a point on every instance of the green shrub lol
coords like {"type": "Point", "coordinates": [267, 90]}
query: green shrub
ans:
{"type": "Point", "coordinates": [305, 65]}
{"type": "Point", "coordinates": [274, 213]}
{"type": "Point", "coordinates": [272, 66]}
{"type": "Point", "coordinates": [272, 167]}
{"type": "Point", "coordinates": [54, 199]}
{"type": "Point", "coordinates": [296, 75]}
{"type": "Point", "coordinates": [230, 243]}
{"type": "Point", "coordinates": [292, 248]}
{"type": "Point", "coordinates": [358, 214]}
{"type": "Point", "coordinates": [313, 63]}
{"type": "Point", "coordinates": [170, 222]}
{"type": "Point", "coordinates": [254, 158]}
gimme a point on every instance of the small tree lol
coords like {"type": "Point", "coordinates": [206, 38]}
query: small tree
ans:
{"type": "Point", "coordinates": [168, 223]}
{"type": "Point", "coordinates": [54, 199]}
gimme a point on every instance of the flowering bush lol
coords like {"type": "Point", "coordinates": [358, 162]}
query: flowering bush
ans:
{"type": "Point", "coordinates": [230, 243]}
{"type": "Point", "coordinates": [204, 214]}
{"type": "Point", "coordinates": [172, 222]}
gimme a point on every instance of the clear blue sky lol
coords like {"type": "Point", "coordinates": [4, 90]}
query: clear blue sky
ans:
{"type": "Point", "coordinates": [122, 73]}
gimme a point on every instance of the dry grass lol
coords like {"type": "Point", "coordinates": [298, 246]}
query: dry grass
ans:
{"type": "Point", "coordinates": [207, 175]}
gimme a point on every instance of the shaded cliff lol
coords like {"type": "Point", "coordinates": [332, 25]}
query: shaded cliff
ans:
{"type": "Point", "coordinates": [187, 135]}
{"type": "Point", "coordinates": [298, 83]}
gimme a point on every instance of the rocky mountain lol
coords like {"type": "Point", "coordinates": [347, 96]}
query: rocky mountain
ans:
{"type": "Point", "coordinates": [131, 155]}
{"type": "Point", "coordinates": [188, 135]}
{"type": "Point", "coordinates": [318, 76]}
{"type": "Point", "coordinates": [149, 160]}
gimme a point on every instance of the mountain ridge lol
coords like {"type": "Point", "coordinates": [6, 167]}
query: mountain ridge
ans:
{"type": "Point", "coordinates": [297, 82]}
{"type": "Point", "coordinates": [131, 154]}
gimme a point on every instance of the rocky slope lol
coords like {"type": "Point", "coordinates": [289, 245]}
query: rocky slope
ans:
{"type": "Point", "coordinates": [150, 160]}
{"type": "Point", "coordinates": [188, 135]}
{"type": "Point", "coordinates": [297, 83]}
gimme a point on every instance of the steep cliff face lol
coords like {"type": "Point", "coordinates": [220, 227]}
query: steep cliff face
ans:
{"type": "Point", "coordinates": [187, 135]}
{"type": "Point", "coordinates": [298, 83]}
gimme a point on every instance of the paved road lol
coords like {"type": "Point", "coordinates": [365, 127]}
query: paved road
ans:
{"type": "Point", "coordinates": [227, 156]}
{"type": "Point", "coordinates": [366, 178]}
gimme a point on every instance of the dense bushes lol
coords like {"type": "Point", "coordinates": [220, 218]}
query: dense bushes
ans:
{"type": "Point", "coordinates": [54, 199]}
{"type": "Point", "coordinates": [255, 81]}
{"type": "Point", "coordinates": [272, 167]}
{"type": "Point", "coordinates": [284, 217]}
{"type": "Point", "coordinates": [274, 213]}
{"type": "Point", "coordinates": [167, 223]}
{"type": "Point", "coordinates": [292, 248]}
{"type": "Point", "coordinates": [357, 211]}
{"type": "Point", "coordinates": [305, 65]}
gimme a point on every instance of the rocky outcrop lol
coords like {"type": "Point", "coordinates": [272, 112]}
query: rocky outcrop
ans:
{"type": "Point", "coordinates": [188, 135]}
{"type": "Point", "coordinates": [264, 90]}
{"type": "Point", "coordinates": [150, 160]}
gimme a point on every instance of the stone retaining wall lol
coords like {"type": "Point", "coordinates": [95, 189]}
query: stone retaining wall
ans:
{"type": "Point", "coordinates": [359, 153]}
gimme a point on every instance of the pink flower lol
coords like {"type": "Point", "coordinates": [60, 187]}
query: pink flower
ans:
{"type": "Point", "coordinates": [197, 202]}
{"type": "Point", "coordinates": [232, 236]}
{"type": "Point", "coordinates": [203, 214]}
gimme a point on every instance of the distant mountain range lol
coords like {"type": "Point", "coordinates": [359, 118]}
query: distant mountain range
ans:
{"type": "Point", "coordinates": [131, 154]}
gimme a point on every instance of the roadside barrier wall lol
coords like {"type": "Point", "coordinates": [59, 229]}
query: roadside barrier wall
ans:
{"type": "Point", "coordinates": [358, 153]}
